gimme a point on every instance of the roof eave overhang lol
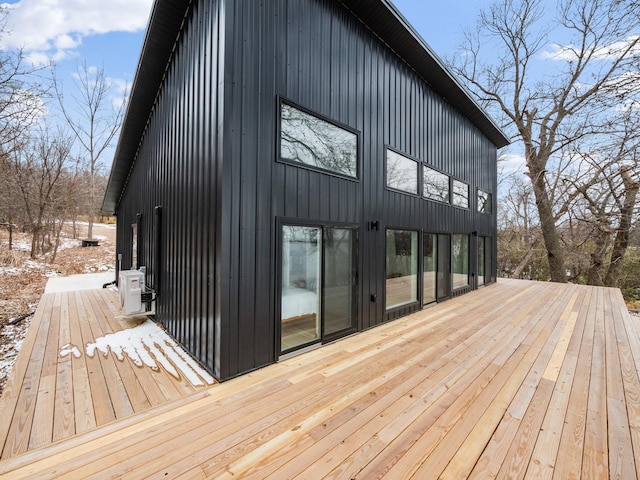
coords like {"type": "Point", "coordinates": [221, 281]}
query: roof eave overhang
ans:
{"type": "Point", "coordinates": [381, 16]}
{"type": "Point", "coordinates": [164, 26]}
{"type": "Point", "coordinates": [384, 19]}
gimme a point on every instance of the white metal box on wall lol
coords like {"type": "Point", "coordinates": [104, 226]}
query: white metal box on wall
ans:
{"type": "Point", "coordinates": [131, 286]}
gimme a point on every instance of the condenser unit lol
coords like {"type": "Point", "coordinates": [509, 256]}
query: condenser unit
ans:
{"type": "Point", "coordinates": [131, 288]}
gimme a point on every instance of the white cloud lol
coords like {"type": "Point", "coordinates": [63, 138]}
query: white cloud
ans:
{"type": "Point", "coordinates": [511, 162]}
{"type": "Point", "coordinates": [570, 53]}
{"type": "Point", "coordinates": [54, 28]}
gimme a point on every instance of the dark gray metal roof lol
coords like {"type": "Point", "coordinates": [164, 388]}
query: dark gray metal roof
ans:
{"type": "Point", "coordinates": [380, 16]}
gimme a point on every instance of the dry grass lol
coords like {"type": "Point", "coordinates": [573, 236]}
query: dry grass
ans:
{"type": "Point", "coordinates": [633, 304]}
{"type": "Point", "coordinates": [22, 281]}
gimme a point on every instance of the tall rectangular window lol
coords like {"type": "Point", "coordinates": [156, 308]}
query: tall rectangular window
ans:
{"type": "Point", "coordinates": [308, 140]}
{"type": "Point", "coordinates": [484, 260]}
{"type": "Point", "coordinates": [435, 185]}
{"type": "Point", "coordinates": [460, 194]}
{"type": "Point", "coordinates": [485, 202]}
{"type": "Point", "coordinates": [460, 260]}
{"type": "Point", "coordinates": [429, 267]}
{"type": "Point", "coordinates": [402, 268]}
{"type": "Point", "coordinates": [134, 246]}
{"type": "Point", "coordinates": [401, 172]}
{"type": "Point", "coordinates": [481, 261]}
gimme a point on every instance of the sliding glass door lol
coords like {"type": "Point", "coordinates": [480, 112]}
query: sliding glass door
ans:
{"type": "Point", "coordinates": [300, 307]}
{"type": "Point", "coordinates": [444, 266]}
{"type": "Point", "coordinates": [401, 268]}
{"type": "Point", "coordinates": [339, 281]}
{"type": "Point", "coordinates": [319, 280]}
{"type": "Point", "coordinates": [484, 261]}
{"type": "Point", "coordinates": [429, 267]}
{"type": "Point", "coordinates": [481, 261]}
{"type": "Point", "coordinates": [460, 245]}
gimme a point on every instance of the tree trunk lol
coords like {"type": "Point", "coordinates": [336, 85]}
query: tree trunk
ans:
{"type": "Point", "coordinates": [34, 242]}
{"type": "Point", "coordinates": [92, 198]}
{"type": "Point", "coordinates": [90, 228]}
{"type": "Point", "coordinates": [621, 241]}
{"type": "Point", "coordinates": [555, 254]}
{"type": "Point", "coordinates": [595, 276]}
{"type": "Point", "coordinates": [10, 234]}
{"type": "Point", "coordinates": [58, 231]}
{"type": "Point", "coordinates": [525, 261]}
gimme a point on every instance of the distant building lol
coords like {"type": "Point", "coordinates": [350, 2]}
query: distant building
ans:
{"type": "Point", "coordinates": [293, 171]}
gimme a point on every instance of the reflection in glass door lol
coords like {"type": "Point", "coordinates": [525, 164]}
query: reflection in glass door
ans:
{"type": "Point", "coordinates": [484, 261]}
{"type": "Point", "coordinates": [481, 262]}
{"type": "Point", "coordinates": [429, 267]}
{"type": "Point", "coordinates": [444, 266]}
{"type": "Point", "coordinates": [401, 268]}
{"type": "Point", "coordinates": [318, 297]}
{"type": "Point", "coordinates": [300, 307]}
{"type": "Point", "coordinates": [339, 280]}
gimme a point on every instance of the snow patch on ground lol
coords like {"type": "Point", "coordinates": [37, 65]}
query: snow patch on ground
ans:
{"type": "Point", "coordinates": [84, 281]}
{"type": "Point", "coordinates": [148, 344]}
{"type": "Point", "coordinates": [70, 349]}
{"type": "Point", "coordinates": [65, 243]}
{"type": "Point", "coordinates": [29, 266]}
{"type": "Point", "coordinates": [10, 344]}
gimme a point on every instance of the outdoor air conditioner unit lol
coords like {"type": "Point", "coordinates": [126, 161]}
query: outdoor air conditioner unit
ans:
{"type": "Point", "coordinates": [131, 287]}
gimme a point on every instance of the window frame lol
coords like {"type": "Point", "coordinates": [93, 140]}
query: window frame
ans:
{"type": "Point", "coordinates": [454, 195]}
{"type": "Point", "coordinates": [425, 169]}
{"type": "Point", "coordinates": [418, 184]}
{"type": "Point", "coordinates": [435, 243]}
{"type": "Point", "coordinates": [135, 244]}
{"type": "Point", "coordinates": [490, 199]}
{"type": "Point", "coordinates": [280, 159]}
{"type": "Point", "coordinates": [322, 226]}
{"type": "Point", "coordinates": [455, 287]}
{"type": "Point", "coordinates": [417, 293]}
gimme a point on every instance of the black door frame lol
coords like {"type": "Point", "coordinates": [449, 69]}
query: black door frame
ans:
{"type": "Point", "coordinates": [323, 225]}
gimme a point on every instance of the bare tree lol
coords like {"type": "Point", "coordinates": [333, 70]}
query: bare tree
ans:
{"type": "Point", "coordinates": [627, 204]}
{"type": "Point", "coordinates": [94, 119]}
{"type": "Point", "coordinates": [595, 71]}
{"type": "Point", "coordinates": [38, 163]}
{"type": "Point", "coordinates": [22, 88]}
{"type": "Point", "coordinates": [519, 231]}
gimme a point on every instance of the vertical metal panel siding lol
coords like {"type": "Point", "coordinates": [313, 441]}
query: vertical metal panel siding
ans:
{"type": "Point", "coordinates": [209, 158]}
{"type": "Point", "coordinates": [176, 168]}
{"type": "Point", "coordinates": [315, 53]}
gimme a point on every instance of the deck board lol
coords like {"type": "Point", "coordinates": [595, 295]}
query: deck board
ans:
{"type": "Point", "coordinates": [51, 397]}
{"type": "Point", "coordinates": [517, 380]}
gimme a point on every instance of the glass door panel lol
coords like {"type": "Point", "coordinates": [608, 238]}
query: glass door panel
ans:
{"type": "Point", "coordinates": [402, 268]}
{"type": "Point", "coordinates": [444, 266]}
{"type": "Point", "coordinates": [481, 261]}
{"type": "Point", "coordinates": [460, 261]}
{"type": "Point", "coordinates": [339, 280]}
{"type": "Point", "coordinates": [301, 286]}
{"type": "Point", "coordinates": [430, 268]}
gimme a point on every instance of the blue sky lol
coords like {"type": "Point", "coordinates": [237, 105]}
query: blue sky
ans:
{"type": "Point", "coordinates": [110, 33]}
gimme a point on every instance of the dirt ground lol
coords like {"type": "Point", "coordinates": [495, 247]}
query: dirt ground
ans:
{"type": "Point", "coordinates": [22, 280]}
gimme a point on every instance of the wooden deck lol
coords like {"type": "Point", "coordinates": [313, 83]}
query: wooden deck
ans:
{"type": "Point", "coordinates": [55, 391]}
{"type": "Point", "coordinates": [516, 380]}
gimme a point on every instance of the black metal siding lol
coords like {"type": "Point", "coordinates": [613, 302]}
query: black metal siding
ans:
{"type": "Point", "coordinates": [316, 54]}
{"type": "Point", "coordinates": [176, 168]}
{"type": "Point", "coordinates": [209, 158]}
